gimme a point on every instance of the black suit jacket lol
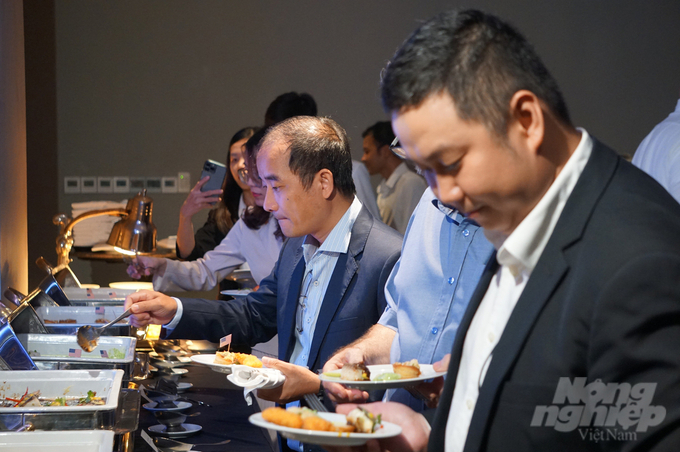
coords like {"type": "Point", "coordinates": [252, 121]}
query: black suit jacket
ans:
{"type": "Point", "coordinates": [602, 303]}
{"type": "Point", "coordinates": [354, 300]}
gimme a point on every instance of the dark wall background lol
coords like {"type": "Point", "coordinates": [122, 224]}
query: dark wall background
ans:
{"type": "Point", "coordinates": [155, 87]}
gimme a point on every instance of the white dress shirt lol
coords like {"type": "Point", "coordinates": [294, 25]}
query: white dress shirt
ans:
{"type": "Point", "coordinates": [257, 247]}
{"type": "Point", "coordinates": [659, 153]}
{"type": "Point", "coordinates": [517, 255]}
{"type": "Point", "coordinates": [365, 193]}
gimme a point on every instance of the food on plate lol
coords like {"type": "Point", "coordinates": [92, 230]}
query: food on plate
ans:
{"type": "Point", "coordinates": [387, 376]}
{"type": "Point", "coordinates": [237, 358]}
{"type": "Point", "coordinates": [355, 372]}
{"type": "Point", "coordinates": [33, 399]}
{"type": "Point", "coordinates": [364, 421]}
{"type": "Point", "coordinates": [279, 416]}
{"type": "Point", "coordinates": [408, 369]}
{"type": "Point", "coordinates": [60, 321]}
{"type": "Point", "coordinates": [358, 420]}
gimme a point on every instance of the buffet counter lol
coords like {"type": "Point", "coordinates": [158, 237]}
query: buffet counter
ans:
{"type": "Point", "coordinates": [225, 419]}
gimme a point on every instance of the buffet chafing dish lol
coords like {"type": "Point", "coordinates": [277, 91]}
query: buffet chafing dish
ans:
{"type": "Point", "coordinates": [56, 351]}
{"type": "Point", "coordinates": [83, 315]}
{"type": "Point", "coordinates": [13, 356]}
{"type": "Point", "coordinates": [105, 296]}
{"type": "Point", "coordinates": [72, 383]}
{"type": "Point", "coordinates": [61, 441]}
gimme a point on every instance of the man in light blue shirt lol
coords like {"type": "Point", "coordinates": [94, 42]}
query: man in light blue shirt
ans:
{"type": "Point", "coordinates": [442, 259]}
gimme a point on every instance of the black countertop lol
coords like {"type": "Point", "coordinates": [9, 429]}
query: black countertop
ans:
{"type": "Point", "coordinates": [226, 418]}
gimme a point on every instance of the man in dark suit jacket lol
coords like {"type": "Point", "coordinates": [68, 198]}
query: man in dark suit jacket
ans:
{"type": "Point", "coordinates": [306, 166]}
{"type": "Point", "coordinates": [571, 340]}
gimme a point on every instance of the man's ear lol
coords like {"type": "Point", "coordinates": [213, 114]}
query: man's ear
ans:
{"type": "Point", "coordinates": [527, 118]}
{"type": "Point", "coordinates": [327, 183]}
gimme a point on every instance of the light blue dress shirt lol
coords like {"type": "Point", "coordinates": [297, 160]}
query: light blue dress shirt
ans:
{"type": "Point", "coordinates": [442, 259]}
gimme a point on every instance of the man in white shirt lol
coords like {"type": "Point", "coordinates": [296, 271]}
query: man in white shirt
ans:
{"type": "Point", "coordinates": [401, 189]}
{"type": "Point", "coordinates": [571, 339]}
{"type": "Point", "coordinates": [659, 153]}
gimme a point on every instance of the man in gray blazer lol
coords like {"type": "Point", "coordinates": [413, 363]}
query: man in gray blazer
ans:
{"type": "Point", "coordinates": [327, 287]}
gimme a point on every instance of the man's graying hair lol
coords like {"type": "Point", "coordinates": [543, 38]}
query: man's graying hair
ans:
{"type": "Point", "coordinates": [315, 144]}
{"type": "Point", "coordinates": [479, 60]}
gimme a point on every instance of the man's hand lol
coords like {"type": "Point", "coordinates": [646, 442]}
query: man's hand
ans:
{"type": "Point", "coordinates": [415, 431]}
{"type": "Point", "coordinates": [299, 381]}
{"type": "Point", "coordinates": [146, 266]}
{"type": "Point", "coordinates": [337, 392]}
{"type": "Point", "coordinates": [150, 307]}
{"type": "Point", "coordinates": [198, 200]}
{"type": "Point", "coordinates": [430, 392]}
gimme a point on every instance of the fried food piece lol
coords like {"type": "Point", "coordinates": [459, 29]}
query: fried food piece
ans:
{"type": "Point", "coordinates": [408, 369]}
{"type": "Point", "coordinates": [279, 416]}
{"type": "Point", "coordinates": [355, 372]}
{"type": "Point", "coordinates": [317, 423]}
{"type": "Point", "coordinates": [349, 428]}
{"type": "Point", "coordinates": [224, 358]}
{"type": "Point", "coordinates": [248, 360]}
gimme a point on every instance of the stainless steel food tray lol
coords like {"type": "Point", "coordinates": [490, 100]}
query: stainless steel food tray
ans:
{"type": "Point", "coordinates": [84, 315]}
{"type": "Point", "coordinates": [57, 383]}
{"type": "Point", "coordinates": [57, 441]}
{"type": "Point", "coordinates": [52, 352]}
{"type": "Point", "coordinates": [106, 296]}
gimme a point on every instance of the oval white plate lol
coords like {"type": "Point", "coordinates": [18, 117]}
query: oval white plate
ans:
{"type": "Point", "coordinates": [426, 373]}
{"type": "Point", "coordinates": [388, 430]}
{"type": "Point", "coordinates": [134, 285]}
{"type": "Point", "coordinates": [209, 360]}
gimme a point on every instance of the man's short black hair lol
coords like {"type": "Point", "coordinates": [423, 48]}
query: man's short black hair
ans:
{"type": "Point", "coordinates": [479, 60]}
{"type": "Point", "coordinates": [381, 132]}
{"type": "Point", "coordinates": [288, 105]}
{"type": "Point", "coordinates": [315, 144]}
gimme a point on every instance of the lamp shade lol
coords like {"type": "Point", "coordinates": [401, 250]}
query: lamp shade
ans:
{"type": "Point", "coordinates": [135, 232]}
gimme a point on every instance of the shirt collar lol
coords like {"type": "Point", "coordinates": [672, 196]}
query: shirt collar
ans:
{"type": "Point", "coordinates": [396, 175]}
{"type": "Point", "coordinates": [338, 239]}
{"type": "Point", "coordinates": [450, 212]}
{"type": "Point", "coordinates": [521, 250]}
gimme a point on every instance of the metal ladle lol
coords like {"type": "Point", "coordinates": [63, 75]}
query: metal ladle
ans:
{"type": "Point", "coordinates": [88, 336]}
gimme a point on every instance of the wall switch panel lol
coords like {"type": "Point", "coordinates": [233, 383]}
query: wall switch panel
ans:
{"type": "Point", "coordinates": [169, 184]}
{"type": "Point", "coordinates": [71, 185]}
{"type": "Point", "coordinates": [137, 184]}
{"type": "Point", "coordinates": [183, 182]}
{"type": "Point", "coordinates": [88, 184]}
{"type": "Point", "coordinates": [121, 184]}
{"type": "Point", "coordinates": [154, 185]}
{"type": "Point", "coordinates": [105, 185]}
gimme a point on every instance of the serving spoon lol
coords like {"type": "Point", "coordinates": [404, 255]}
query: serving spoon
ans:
{"type": "Point", "coordinates": [88, 336]}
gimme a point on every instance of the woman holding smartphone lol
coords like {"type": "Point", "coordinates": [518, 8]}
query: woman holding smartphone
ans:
{"type": "Point", "coordinates": [255, 238]}
{"type": "Point", "coordinates": [232, 199]}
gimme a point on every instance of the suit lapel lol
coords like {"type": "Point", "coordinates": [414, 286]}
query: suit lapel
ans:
{"type": "Point", "coordinates": [439, 424]}
{"type": "Point", "coordinates": [345, 269]}
{"type": "Point", "coordinates": [287, 322]}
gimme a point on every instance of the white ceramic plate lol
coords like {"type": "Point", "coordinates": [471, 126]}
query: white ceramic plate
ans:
{"type": "Point", "coordinates": [388, 430]}
{"type": "Point", "coordinates": [171, 370]}
{"type": "Point", "coordinates": [184, 386]}
{"type": "Point", "coordinates": [236, 292]}
{"type": "Point", "coordinates": [168, 242]}
{"type": "Point", "coordinates": [426, 373]}
{"type": "Point", "coordinates": [209, 360]}
{"type": "Point", "coordinates": [134, 285]}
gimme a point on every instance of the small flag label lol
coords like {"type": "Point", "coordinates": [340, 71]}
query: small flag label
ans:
{"type": "Point", "coordinates": [226, 340]}
{"type": "Point", "coordinates": [100, 310]}
{"type": "Point", "coordinates": [74, 352]}
{"type": "Point", "coordinates": [89, 293]}
{"type": "Point", "coordinates": [104, 353]}
{"type": "Point", "coordinates": [112, 294]}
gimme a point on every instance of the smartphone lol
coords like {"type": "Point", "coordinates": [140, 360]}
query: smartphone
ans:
{"type": "Point", "coordinates": [217, 172]}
